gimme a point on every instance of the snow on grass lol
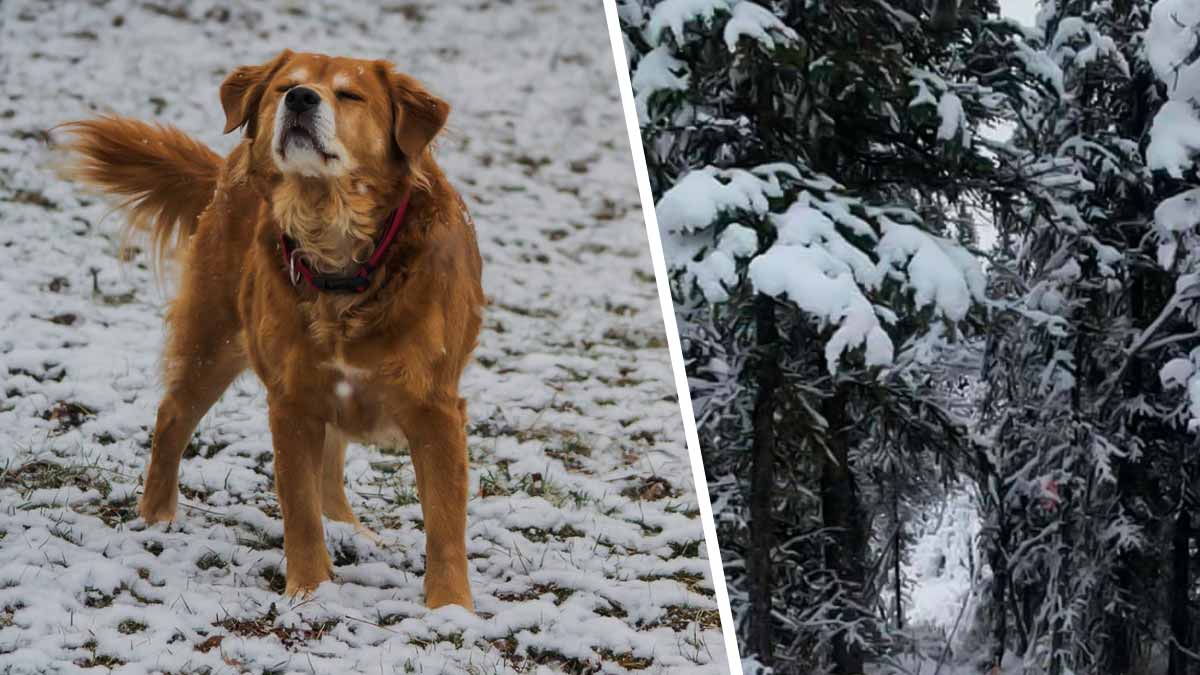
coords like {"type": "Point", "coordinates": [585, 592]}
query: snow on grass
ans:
{"type": "Point", "coordinates": [584, 540]}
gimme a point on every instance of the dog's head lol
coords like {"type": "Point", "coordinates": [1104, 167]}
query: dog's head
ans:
{"type": "Point", "coordinates": [330, 117]}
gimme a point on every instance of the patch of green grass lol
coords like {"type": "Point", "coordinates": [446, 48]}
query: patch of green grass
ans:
{"type": "Point", "coordinates": [274, 578]}
{"type": "Point", "coordinates": [569, 450]}
{"type": "Point", "coordinates": [634, 340]}
{"type": "Point", "coordinates": [196, 448]}
{"type": "Point", "coordinates": [690, 549]}
{"type": "Point", "coordinates": [681, 510]}
{"type": "Point", "coordinates": [144, 599]}
{"type": "Point", "coordinates": [562, 664]}
{"type": "Point", "coordinates": [193, 494]}
{"type": "Point", "coordinates": [9, 614]}
{"type": "Point", "coordinates": [292, 638]}
{"type": "Point", "coordinates": [692, 581]}
{"type": "Point", "coordinates": [537, 534]}
{"type": "Point", "coordinates": [211, 560]}
{"type": "Point", "coordinates": [646, 436]}
{"type": "Point", "coordinates": [97, 660]}
{"type": "Point", "coordinates": [93, 597]}
{"type": "Point", "coordinates": [679, 617]}
{"type": "Point", "coordinates": [41, 475]}
{"type": "Point", "coordinates": [130, 626]}
{"type": "Point", "coordinates": [627, 660]}
{"type": "Point", "coordinates": [455, 639]}
{"type": "Point", "coordinates": [650, 489]}
{"type": "Point", "coordinates": [496, 482]}
{"type": "Point", "coordinates": [536, 591]}
{"type": "Point", "coordinates": [405, 495]}
{"type": "Point", "coordinates": [116, 512]}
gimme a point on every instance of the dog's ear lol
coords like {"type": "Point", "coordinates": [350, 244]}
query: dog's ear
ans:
{"type": "Point", "coordinates": [242, 92]}
{"type": "Point", "coordinates": [418, 115]}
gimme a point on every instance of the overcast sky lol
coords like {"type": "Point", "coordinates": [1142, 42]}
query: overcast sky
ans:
{"type": "Point", "coordinates": [1021, 10]}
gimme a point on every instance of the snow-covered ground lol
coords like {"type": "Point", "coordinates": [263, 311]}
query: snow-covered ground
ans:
{"type": "Point", "coordinates": [585, 541]}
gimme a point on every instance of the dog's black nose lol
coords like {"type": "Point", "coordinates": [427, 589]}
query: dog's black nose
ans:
{"type": "Point", "coordinates": [301, 99]}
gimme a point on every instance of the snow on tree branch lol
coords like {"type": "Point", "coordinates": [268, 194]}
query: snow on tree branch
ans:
{"type": "Point", "coordinates": [831, 254]}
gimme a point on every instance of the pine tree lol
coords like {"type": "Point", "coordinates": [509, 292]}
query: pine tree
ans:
{"type": "Point", "coordinates": [815, 199]}
{"type": "Point", "coordinates": [1089, 479]}
{"type": "Point", "coordinates": [821, 172]}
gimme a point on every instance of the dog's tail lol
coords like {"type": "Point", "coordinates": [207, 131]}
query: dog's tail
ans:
{"type": "Point", "coordinates": [165, 177]}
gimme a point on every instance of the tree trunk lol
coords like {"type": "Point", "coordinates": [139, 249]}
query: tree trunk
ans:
{"type": "Point", "coordinates": [897, 539]}
{"type": "Point", "coordinates": [843, 519]}
{"type": "Point", "coordinates": [1181, 620]}
{"type": "Point", "coordinates": [999, 563]}
{"type": "Point", "coordinates": [896, 573]}
{"type": "Point", "coordinates": [945, 15]}
{"type": "Point", "coordinates": [999, 607]}
{"type": "Point", "coordinates": [758, 558]}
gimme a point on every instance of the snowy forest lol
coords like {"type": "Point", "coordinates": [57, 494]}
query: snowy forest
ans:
{"type": "Point", "coordinates": [922, 254]}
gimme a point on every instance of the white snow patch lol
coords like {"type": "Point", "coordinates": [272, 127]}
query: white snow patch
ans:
{"type": "Point", "coordinates": [1170, 42]}
{"type": "Point", "coordinates": [673, 15]}
{"type": "Point", "coordinates": [939, 271]}
{"type": "Point", "coordinates": [950, 109]}
{"type": "Point", "coordinates": [757, 23]}
{"type": "Point", "coordinates": [1176, 216]}
{"type": "Point", "coordinates": [1174, 138]}
{"type": "Point", "coordinates": [657, 71]}
{"type": "Point", "coordinates": [699, 197]}
{"type": "Point", "coordinates": [824, 286]}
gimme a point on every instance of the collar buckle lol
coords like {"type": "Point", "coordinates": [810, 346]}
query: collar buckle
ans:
{"type": "Point", "coordinates": [293, 273]}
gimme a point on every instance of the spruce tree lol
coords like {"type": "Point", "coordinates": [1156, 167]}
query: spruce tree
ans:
{"type": "Point", "coordinates": [817, 167]}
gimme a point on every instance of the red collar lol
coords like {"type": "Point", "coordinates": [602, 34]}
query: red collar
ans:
{"type": "Point", "coordinates": [350, 283]}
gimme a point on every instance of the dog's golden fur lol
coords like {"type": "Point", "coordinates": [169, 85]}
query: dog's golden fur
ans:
{"type": "Point", "coordinates": [376, 365]}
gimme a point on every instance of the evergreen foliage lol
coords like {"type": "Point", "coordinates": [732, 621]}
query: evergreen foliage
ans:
{"type": "Point", "coordinates": [915, 247]}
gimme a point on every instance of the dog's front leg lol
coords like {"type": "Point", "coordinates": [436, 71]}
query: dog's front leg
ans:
{"type": "Point", "coordinates": [438, 443]}
{"type": "Point", "coordinates": [299, 439]}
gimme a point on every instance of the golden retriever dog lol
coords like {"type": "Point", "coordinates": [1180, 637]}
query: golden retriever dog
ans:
{"type": "Point", "coordinates": [329, 253]}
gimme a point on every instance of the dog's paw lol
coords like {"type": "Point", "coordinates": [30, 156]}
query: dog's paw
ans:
{"type": "Point", "coordinates": [303, 579]}
{"type": "Point", "coordinates": [161, 513]}
{"type": "Point", "coordinates": [441, 600]}
{"type": "Point", "coordinates": [442, 592]}
{"type": "Point", "coordinates": [302, 589]}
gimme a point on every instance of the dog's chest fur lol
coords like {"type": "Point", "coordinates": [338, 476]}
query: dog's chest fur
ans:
{"type": "Point", "coordinates": [360, 408]}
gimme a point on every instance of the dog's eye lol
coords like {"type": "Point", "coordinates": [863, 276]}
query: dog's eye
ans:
{"type": "Point", "coordinates": [349, 96]}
